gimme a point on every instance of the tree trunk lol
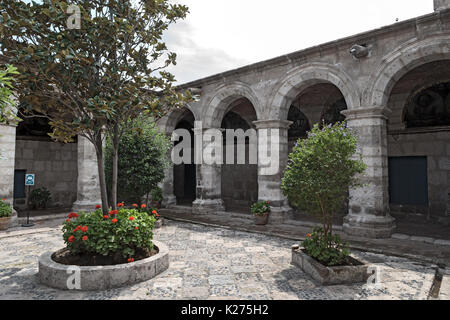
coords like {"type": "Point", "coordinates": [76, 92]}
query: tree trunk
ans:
{"type": "Point", "coordinates": [115, 164]}
{"type": "Point", "coordinates": [101, 174]}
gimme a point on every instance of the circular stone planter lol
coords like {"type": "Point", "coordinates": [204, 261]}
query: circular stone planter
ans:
{"type": "Point", "coordinates": [95, 278]}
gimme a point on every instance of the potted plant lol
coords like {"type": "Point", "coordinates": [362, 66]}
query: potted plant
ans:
{"type": "Point", "coordinates": [321, 169]}
{"type": "Point", "coordinates": [39, 198]}
{"type": "Point", "coordinates": [5, 214]}
{"type": "Point", "coordinates": [157, 197]}
{"type": "Point", "coordinates": [261, 211]}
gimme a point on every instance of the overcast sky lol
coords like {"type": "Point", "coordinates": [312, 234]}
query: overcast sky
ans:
{"type": "Point", "coordinates": [220, 35]}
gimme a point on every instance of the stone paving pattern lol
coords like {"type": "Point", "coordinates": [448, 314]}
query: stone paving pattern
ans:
{"type": "Point", "coordinates": [215, 263]}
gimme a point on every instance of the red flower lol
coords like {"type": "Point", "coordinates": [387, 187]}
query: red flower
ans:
{"type": "Point", "coordinates": [98, 206]}
{"type": "Point", "coordinates": [120, 204]}
{"type": "Point", "coordinates": [154, 212]}
{"type": "Point", "coordinates": [137, 228]}
{"type": "Point", "coordinates": [157, 215]}
{"type": "Point", "coordinates": [84, 238]}
{"type": "Point", "coordinates": [68, 220]}
{"type": "Point", "coordinates": [130, 260]}
{"type": "Point", "coordinates": [114, 220]}
{"type": "Point", "coordinates": [4, 199]}
{"type": "Point", "coordinates": [143, 206]}
{"type": "Point", "coordinates": [112, 212]}
{"type": "Point", "coordinates": [84, 229]}
{"type": "Point", "coordinates": [131, 218]}
{"type": "Point", "coordinates": [73, 215]}
{"type": "Point", "coordinates": [105, 217]}
{"type": "Point", "coordinates": [309, 235]}
{"type": "Point", "coordinates": [71, 239]}
{"type": "Point", "coordinates": [135, 205]}
{"type": "Point", "coordinates": [77, 229]}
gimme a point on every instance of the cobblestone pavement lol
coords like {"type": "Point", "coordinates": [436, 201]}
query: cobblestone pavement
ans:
{"type": "Point", "coordinates": [214, 263]}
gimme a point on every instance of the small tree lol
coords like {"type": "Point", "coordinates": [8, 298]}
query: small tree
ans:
{"type": "Point", "coordinates": [143, 158]}
{"type": "Point", "coordinates": [320, 171]}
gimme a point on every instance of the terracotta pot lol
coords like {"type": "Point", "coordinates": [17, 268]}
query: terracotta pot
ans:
{"type": "Point", "coordinates": [261, 220]}
{"type": "Point", "coordinates": [4, 223]}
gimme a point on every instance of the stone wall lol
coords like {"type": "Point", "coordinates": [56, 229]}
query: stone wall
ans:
{"type": "Point", "coordinates": [55, 166]}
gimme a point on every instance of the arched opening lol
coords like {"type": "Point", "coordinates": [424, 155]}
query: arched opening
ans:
{"type": "Point", "coordinates": [184, 175]}
{"type": "Point", "coordinates": [320, 103]}
{"type": "Point", "coordinates": [54, 165]}
{"type": "Point", "coordinates": [418, 146]}
{"type": "Point", "coordinates": [239, 181]}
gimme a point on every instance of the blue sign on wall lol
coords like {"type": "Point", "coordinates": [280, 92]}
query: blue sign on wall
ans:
{"type": "Point", "coordinates": [29, 179]}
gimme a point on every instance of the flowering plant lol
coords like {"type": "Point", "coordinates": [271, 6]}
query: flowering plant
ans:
{"type": "Point", "coordinates": [119, 234]}
{"type": "Point", "coordinates": [5, 209]}
{"type": "Point", "coordinates": [260, 208]}
{"type": "Point", "coordinates": [326, 248]}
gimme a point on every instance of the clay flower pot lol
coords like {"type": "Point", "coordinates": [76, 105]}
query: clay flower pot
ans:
{"type": "Point", "coordinates": [261, 219]}
{"type": "Point", "coordinates": [4, 223]}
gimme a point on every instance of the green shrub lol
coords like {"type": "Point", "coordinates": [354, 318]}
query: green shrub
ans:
{"type": "Point", "coordinates": [5, 209]}
{"type": "Point", "coordinates": [157, 194]}
{"type": "Point", "coordinates": [39, 198]}
{"type": "Point", "coordinates": [320, 171]}
{"type": "Point", "coordinates": [143, 159]}
{"type": "Point", "coordinates": [119, 234]}
{"type": "Point", "coordinates": [326, 248]}
{"type": "Point", "coordinates": [260, 208]}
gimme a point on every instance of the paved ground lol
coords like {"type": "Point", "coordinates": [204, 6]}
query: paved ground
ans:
{"type": "Point", "coordinates": [418, 248]}
{"type": "Point", "coordinates": [213, 263]}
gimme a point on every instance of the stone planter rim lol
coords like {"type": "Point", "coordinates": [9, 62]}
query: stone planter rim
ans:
{"type": "Point", "coordinates": [47, 257]}
{"type": "Point", "coordinates": [47, 262]}
{"type": "Point", "coordinates": [324, 275]}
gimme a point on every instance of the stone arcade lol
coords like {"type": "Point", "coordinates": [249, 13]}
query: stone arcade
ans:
{"type": "Point", "coordinates": [392, 85]}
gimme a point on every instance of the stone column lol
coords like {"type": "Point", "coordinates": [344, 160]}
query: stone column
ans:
{"type": "Point", "coordinates": [273, 145]}
{"type": "Point", "coordinates": [169, 198]}
{"type": "Point", "coordinates": [7, 164]}
{"type": "Point", "coordinates": [369, 205]}
{"type": "Point", "coordinates": [209, 184]}
{"type": "Point", "coordinates": [88, 184]}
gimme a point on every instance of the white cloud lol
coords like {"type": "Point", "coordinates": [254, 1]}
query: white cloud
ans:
{"type": "Point", "coordinates": [219, 35]}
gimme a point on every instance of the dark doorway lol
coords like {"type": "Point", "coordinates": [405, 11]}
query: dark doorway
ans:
{"type": "Point", "coordinates": [408, 181]}
{"type": "Point", "coordinates": [185, 175]}
{"type": "Point", "coordinates": [19, 184]}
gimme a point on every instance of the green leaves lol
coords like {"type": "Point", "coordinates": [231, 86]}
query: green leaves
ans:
{"type": "Point", "coordinates": [321, 170]}
{"type": "Point", "coordinates": [108, 238]}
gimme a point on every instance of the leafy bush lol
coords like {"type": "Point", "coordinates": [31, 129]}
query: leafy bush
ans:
{"type": "Point", "coordinates": [5, 209]}
{"type": "Point", "coordinates": [326, 248]}
{"type": "Point", "coordinates": [143, 158]}
{"type": "Point", "coordinates": [119, 234]}
{"type": "Point", "coordinates": [260, 208]}
{"type": "Point", "coordinates": [40, 197]}
{"type": "Point", "coordinates": [157, 194]}
{"type": "Point", "coordinates": [320, 171]}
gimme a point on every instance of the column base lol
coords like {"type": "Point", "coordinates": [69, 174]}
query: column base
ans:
{"type": "Point", "coordinates": [85, 206]}
{"type": "Point", "coordinates": [369, 226]}
{"type": "Point", "coordinates": [169, 201]}
{"type": "Point", "coordinates": [279, 214]}
{"type": "Point", "coordinates": [204, 207]}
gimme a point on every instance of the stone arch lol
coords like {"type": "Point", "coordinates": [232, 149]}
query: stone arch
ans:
{"type": "Point", "coordinates": [169, 122]}
{"type": "Point", "coordinates": [401, 61]}
{"type": "Point", "coordinates": [220, 104]}
{"type": "Point", "coordinates": [303, 77]}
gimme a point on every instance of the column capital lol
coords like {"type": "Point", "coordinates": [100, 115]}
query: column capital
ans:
{"type": "Point", "coordinates": [272, 124]}
{"type": "Point", "coordinates": [367, 113]}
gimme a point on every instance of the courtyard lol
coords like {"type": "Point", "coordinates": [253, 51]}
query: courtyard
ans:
{"type": "Point", "coordinates": [215, 263]}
